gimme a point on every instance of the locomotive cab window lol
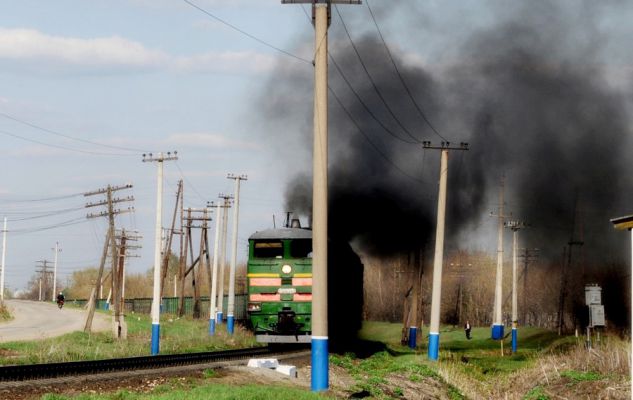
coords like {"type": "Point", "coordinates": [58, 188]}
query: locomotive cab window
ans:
{"type": "Point", "coordinates": [268, 249]}
{"type": "Point", "coordinates": [301, 248]}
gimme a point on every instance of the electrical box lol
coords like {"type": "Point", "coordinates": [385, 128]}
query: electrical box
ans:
{"type": "Point", "coordinates": [593, 295]}
{"type": "Point", "coordinates": [596, 315]}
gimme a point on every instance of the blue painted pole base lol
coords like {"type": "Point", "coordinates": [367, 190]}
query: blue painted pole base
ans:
{"type": "Point", "coordinates": [211, 326]}
{"type": "Point", "coordinates": [497, 332]}
{"type": "Point", "coordinates": [413, 339]}
{"type": "Point", "coordinates": [155, 339]}
{"type": "Point", "coordinates": [230, 324]}
{"type": "Point", "coordinates": [434, 346]}
{"type": "Point", "coordinates": [320, 372]}
{"type": "Point", "coordinates": [514, 340]}
{"type": "Point", "coordinates": [218, 318]}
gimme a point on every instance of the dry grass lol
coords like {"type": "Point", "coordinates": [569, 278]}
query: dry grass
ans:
{"type": "Point", "coordinates": [5, 315]}
{"type": "Point", "coordinates": [599, 373]}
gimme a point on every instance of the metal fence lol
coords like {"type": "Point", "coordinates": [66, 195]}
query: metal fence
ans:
{"type": "Point", "coordinates": [169, 305]}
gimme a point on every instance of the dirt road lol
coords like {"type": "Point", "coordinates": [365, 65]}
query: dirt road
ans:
{"type": "Point", "coordinates": [34, 320]}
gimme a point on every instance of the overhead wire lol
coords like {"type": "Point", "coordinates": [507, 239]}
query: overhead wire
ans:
{"type": "Point", "coordinates": [62, 197]}
{"type": "Point", "coordinates": [51, 214]}
{"type": "Point", "coordinates": [94, 153]}
{"type": "Point", "coordinates": [393, 164]}
{"type": "Point", "coordinates": [74, 221]}
{"type": "Point", "coordinates": [32, 125]}
{"type": "Point", "coordinates": [330, 89]}
{"type": "Point", "coordinates": [192, 4]}
{"type": "Point", "coordinates": [189, 183]}
{"type": "Point", "coordinates": [373, 83]}
{"type": "Point", "coordinates": [365, 106]}
{"type": "Point", "coordinates": [404, 84]}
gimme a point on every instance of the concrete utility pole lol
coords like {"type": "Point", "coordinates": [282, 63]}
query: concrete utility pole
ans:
{"type": "Point", "coordinates": [222, 254]}
{"type": "Point", "coordinates": [515, 226]}
{"type": "Point", "coordinates": [622, 223]}
{"type": "Point", "coordinates": [230, 318]}
{"type": "Point", "coordinates": [160, 159]}
{"type": "Point", "coordinates": [436, 296]}
{"type": "Point", "coordinates": [321, 16]}
{"type": "Point", "coordinates": [56, 249]}
{"type": "Point", "coordinates": [4, 265]}
{"type": "Point", "coordinates": [497, 323]}
{"type": "Point", "coordinates": [214, 273]}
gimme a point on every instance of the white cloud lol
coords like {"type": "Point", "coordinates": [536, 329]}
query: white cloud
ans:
{"type": "Point", "coordinates": [31, 50]}
{"type": "Point", "coordinates": [226, 62]}
{"type": "Point", "coordinates": [209, 140]}
{"type": "Point", "coordinates": [31, 46]}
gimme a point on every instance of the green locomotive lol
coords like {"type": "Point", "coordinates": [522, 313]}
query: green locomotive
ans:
{"type": "Point", "coordinates": [279, 279]}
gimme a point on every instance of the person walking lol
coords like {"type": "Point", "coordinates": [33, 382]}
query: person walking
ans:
{"type": "Point", "coordinates": [467, 328]}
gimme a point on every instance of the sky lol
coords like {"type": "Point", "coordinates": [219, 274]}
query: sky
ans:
{"type": "Point", "coordinates": [87, 87]}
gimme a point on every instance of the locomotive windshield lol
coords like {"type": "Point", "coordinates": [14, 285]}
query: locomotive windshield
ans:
{"type": "Point", "coordinates": [301, 248]}
{"type": "Point", "coordinates": [268, 249]}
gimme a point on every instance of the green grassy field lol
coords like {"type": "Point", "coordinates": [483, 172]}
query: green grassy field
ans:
{"type": "Point", "coordinates": [482, 354]}
{"type": "Point", "coordinates": [177, 336]}
{"type": "Point", "coordinates": [466, 369]}
{"type": "Point", "coordinates": [201, 392]}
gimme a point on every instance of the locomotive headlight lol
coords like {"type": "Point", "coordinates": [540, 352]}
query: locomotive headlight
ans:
{"type": "Point", "coordinates": [286, 269]}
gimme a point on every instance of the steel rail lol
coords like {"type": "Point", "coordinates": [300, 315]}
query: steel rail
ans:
{"type": "Point", "coordinates": [75, 368]}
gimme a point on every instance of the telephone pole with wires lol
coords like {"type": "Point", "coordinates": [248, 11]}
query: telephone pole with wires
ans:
{"type": "Point", "coordinates": [230, 318]}
{"type": "Point", "coordinates": [160, 158]}
{"type": "Point", "coordinates": [4, 264]}
{"type": "Point", "coordinates": [44, 277]}
{"type": "Point", "coordinates": [56, 249]}
{"type": "Point", "coordinates": [321, 17]}
{"type": "Point", "coordinates": [497, 323]}
{"type": "Point", "coordinates": [226, 203]}
{"type": "Point", "coordinates": [515, 226]}
{"type": "Point", "coordinates": [436, 296]}
{"type": "Point", "coordinates": [118, 323]}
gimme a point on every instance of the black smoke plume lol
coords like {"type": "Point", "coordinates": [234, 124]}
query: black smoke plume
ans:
{"type": "Point", "coordinates": [530, 93]}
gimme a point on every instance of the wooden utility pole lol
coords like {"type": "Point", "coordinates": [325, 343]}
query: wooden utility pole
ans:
{"type": "Point", "coordinates": [118, 327]}
{"type": "Point", "coordinates": [194, 214]}
{"type": "Point", "coordinates": [45, 276]}
{"type": "Point", "coordinates": [564, 272]}
{"type": "Point", "coordinates": [167, 249]}
{"type": "Point", "coordinates": [528, 256]}
{"type": "Point", "coordinates": [92, 302]}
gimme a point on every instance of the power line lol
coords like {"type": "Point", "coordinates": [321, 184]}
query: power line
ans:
{"type": "Point", "coordinates": [189, 182]}
{"type": "Point", "coordinates": [371, 80]}
{"type": "Point", "coordinates": [365, 106]}
{"type": "Point", "coordinates": [53, 213]}
{"type": "Point", "coordinates": [331, 90]}
{"type": "Point", "coordinates": [406, 87]}
{"type": "Point", "coordinates": [62, 197]}
{"type": "Point", "coordinates": [74, 221]}
{"type": "Point", "coordinates": [393, 164]}
{"type": "Point", "coordinates": [68, 136]}
{"type": "Point", "coordinates": [246, 33]}
{"type": "Point", "coordinates": [94, 153]}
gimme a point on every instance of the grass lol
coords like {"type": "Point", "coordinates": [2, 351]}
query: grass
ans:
{"type": "Point", "coordinates": [5, 315]}
{"type": "Point", "coordinates": [476, 369]}
{"type": "Point", "coordinates": [184, 335]}
{"type": "Point", "coordinates": [203, 392]}
{"type": "Point", "coordinates": [580, 376]}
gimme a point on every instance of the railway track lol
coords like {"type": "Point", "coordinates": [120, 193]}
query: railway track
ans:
{"type": "Point", "coordinates": [14, 375]}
